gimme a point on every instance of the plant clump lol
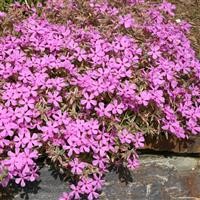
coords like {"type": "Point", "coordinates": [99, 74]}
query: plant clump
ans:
{"type": "Point", "coordinates": [84, 81]}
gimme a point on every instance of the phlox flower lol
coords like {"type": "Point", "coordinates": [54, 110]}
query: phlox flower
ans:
{"type": "Point", "coordinates": [157, 96]}
{"type": "Point", "coordinates": [138, 140]}
{"type": "Point", "coordinates": [174, 128]}
{"type": "Point", "coordinates": [98, 181]}
{"type": "Point", "coordinates": [29, 102]}
{"type": "Point", "coordinates": [15, 160]}
{"type": "Point", "coordinates": [3, 142]}
{"type": "Point", "coordinates": [21, 179]}
{"type": "Point", "coordinates": [127, 21]}
{"type": "Point", "coordinates": [85, 184]}
{"type": "Point", "coordinates": [76, 166]}
{"type": "Point", "coordinates": [80, 54]}
{"type": "Point", "coordinates": [93, 194]}
{"type": "Point", "coordinates": [193, 126]}
{"type": "Point", "coordinates": [49, 130]}
{"type": "Point", "coordinates": [31, 140]}
{"type": "Point", "coordinates": [2, 14]}
{"type": "Point", "coordinates": [72, 147]}
{"type": "Point", "coordinates": [167, 7]}
{"type": "Point", "coordinates": [93, 127]}
{"type": "Point", "coordinates": [54, 98]}
{"type": "Point", "coordinates": [23, 114]}
{"type": "Point", "coordinates": [155, 52]}
{"type": "Point", "coordinates": [125, 137]}
{"type": "Point", "coordinates": [100, 161]}
{"type": "Point", "coordinates": [103, 110]}
{"type": "Point", "coordinates": [88, 101]}
{"type": "Point", "coordinates": [133, 163]}
{"type": "Point", "coordinates": [76, 191]}
{"type": "Point", "coordinates": [117, 108]}
{"type": "Point", "coordinates": [61, 117]}
{"type": "Point", "coordinates": [144, 97]}
{"type": "Point", "coordinates": [65, 196]}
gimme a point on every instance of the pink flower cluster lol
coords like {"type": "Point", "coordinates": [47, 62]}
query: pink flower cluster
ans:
{"type": "Point", "coordinates": [89, 88]}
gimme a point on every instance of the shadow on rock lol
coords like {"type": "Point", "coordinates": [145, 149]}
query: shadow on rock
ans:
{"type": "Point", "coordinates": [13, 190]}
{"type": "Point", "coordinates": [124, 174]}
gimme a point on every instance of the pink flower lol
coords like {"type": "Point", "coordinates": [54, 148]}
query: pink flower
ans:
{"type": "Point", "coordinates": [93, 194]}
{"type": "Point", "coordinates": [61, 117]}
{"type": "Point", "coordinates": [72, 147]}
{"type": "Point", "coordinates": [77, 167]}
{"type": "Point", "coordinates": [23, 114]}
{"type": "Point", "coordinates": [31, 141]}
{"type": "Point", "coordinates": [54, 98]}
{"type": "Point", "coordinates": [29, 156]}
{"type": "Point", "coordinates": [15, 160]}
{"type": "Point", "coordinates": [3, 142]}
{"type": "Point", "coordinates": [88, 101]}
{"type": "Point", "coordinates": [103, 111]}
{"type": "Point", "coordinates": [65, 196]}
{"type": "Point", "coordinates": [19, 140]}
{"type": "Point", "coordinates": [117, 108]}
{"type": "Point", "coordinates": [126, 20]}
{"type": "Point", "coordinates": [155, 52]}
{"type": "Point", "coordinates": [167, 7]}
{"type": "Point", "coordinates": [21, 180]}
{"type": "Point", "coordinates": [138, 140]}
{"type": "Point", "coordinates": [49, 130]}
{"type": "Point", "coordinates": [193, 126]}
{"type": "Point", "coordinates": [125, 137]}
{"type": "Point", "coordinates": [27, 102]}
{"type": "Point", "coordinates": [2, 14]}
{"type": "Point", "coordinates": [175, 128]}
{"type": "Point", "coordinates": [80, 54]}
{"type": "Point", "coordinates": [101, 148]}
{"type": "Point", "coordinates": [85, 184]}
{"type": "Point", "coordinates": [98, 181]}
{"type": "Point", "coordinates": [133, 163]}
{"type": "Point", "coordinates": [100, 161]}
{"type": "Point", "coordinates": [93, 127]}
{"type": "Point", "coordinates": [144, 98]}
{"type": "Point", "coordinates": [157, 96]}
{"type": "Point", "coordinates": [76, 191]}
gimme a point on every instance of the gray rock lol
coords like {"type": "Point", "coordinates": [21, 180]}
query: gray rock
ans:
{"type": "Point", "coordinates": [158, 178]}
{"type": "Point", "coordinates": [183, 164]}
{"type": "Point", "coordinates": [50, 187]}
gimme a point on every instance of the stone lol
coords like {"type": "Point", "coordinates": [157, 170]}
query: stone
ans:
{"type": "Point", "coordinates": [49, 187]}
{"type": "Point", "coordinates": [173, 144]}
{"type": "Point", "coordinates": [158, 178]}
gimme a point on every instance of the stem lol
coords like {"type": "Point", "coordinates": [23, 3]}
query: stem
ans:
{"type": "Point", "coordinates": [27, 4]}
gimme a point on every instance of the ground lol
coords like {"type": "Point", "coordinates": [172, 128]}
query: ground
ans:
{"type": "Point", "coordinates": [190, 10]}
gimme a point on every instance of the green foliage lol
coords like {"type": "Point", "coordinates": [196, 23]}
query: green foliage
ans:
{"type": "Point", "coordinates": [5, 3]}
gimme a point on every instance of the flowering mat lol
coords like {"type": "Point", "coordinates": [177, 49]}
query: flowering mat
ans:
{"type": "Point", "coordinates": [84, 82]}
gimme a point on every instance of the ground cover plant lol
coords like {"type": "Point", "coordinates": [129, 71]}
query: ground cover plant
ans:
{"type": "Point", "coordinates": [83, 81]}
